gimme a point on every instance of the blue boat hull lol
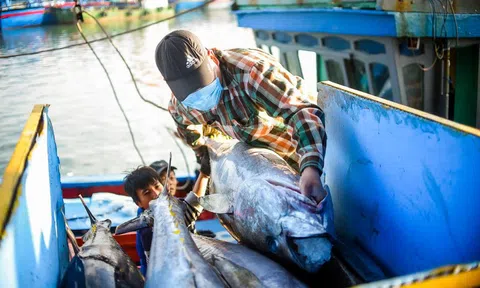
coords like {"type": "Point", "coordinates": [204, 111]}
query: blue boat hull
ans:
{"type": "Point", "coordinates": [186, 5]}
{"type": "Point", "coordinates": [26, 18]}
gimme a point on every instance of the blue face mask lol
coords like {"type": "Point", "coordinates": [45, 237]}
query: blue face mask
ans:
{"type": "Point", "coordinates": [205, 98]}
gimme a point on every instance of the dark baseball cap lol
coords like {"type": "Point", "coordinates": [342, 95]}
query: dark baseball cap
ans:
{"type": "Point", "coordinates": [183, 61]}
{"type": "Point", "coordinates": [160, 166]}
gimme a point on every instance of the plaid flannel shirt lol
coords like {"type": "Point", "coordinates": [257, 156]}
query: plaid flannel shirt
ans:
{"type": "Point", "coordinates": [263, 105]}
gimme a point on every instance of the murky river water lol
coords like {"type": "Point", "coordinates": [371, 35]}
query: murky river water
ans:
{"type": "Point", "coordinates": [91, 133]}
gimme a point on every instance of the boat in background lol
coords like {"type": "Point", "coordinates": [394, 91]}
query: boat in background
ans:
{"type": "Point", "coordinates": [402, 204]}
{"type": "Point", "coordinates": [55, 13]}
{"type": "Point", "coordinates": [422, 54]}
{"type": "Point", "coordinates": [182, 5]}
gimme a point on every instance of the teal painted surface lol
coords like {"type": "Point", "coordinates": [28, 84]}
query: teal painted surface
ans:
{"type": "Point", "coordinates": [421, 24]}
{"type": "Point", "coordinates": [359, 22]}
{"type": "Point", "coordinates": [34, 251]}
{"type": "Point", "coordinates": [405, 189]}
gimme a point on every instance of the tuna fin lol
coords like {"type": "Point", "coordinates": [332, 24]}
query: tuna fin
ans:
{"type": "Point", "coordinates": [235, 275]}
{"type": "Point", "coordinates": [216, 203]}
{"type": "Point", "coordinates": [165, 187]}
{"type": "Point", "coordinates": [93, 220]}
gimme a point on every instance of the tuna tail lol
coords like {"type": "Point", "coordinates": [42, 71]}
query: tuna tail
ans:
{"type": "Point", "coordinates": [93, 220]}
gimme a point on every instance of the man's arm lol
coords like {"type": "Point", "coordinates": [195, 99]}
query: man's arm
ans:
{"type": "Point", "coordinates": [275, 89]}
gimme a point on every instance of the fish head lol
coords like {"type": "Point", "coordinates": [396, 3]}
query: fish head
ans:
{"type": "Point", "coordinates": [102, 225]}
{"type": "Point", "coordinates": [275, 218]}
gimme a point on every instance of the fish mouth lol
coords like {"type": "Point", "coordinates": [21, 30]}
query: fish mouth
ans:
{"type": "Point", "coordinates": [310, 253]}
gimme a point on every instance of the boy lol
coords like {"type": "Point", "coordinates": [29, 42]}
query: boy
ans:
{"type": "Point", "coordinates": [161, 168]}
{"type": "Point", "coordinates": [143, 185]}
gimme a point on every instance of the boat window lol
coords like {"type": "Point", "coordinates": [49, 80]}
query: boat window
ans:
{"type": "Point", "coordinates": [414, 85]}
{"type": "Point", "coordinates": [336, 43]}
{"type": "Point", "coordinates": [382, 86]}
{"type": "Point", "coordinates": [334, 71]}
{"type": "Point", "coordinates": [262, 35]}
{"type": "Point", "coordinates": [357, 75]}
{"type": "Point", "coordinates": [265, 48]}
{"type": "Point", "coordinates": [370, 47]}
{"type": "Point", "coordinates": [275, 51]}
{"type": "Point", "coordinates": [306, 40]}
{"type": "Point", "coordinates": [293, 63]}
{"type": "Point", "coordinates": [308, 60]}
{"type": "Point", "coordinates": [282, 37]}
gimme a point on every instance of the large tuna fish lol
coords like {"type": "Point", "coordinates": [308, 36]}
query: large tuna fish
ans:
{"type": "Point", "coordinates": [268, 272]}
{"type": "Point", "coordinates": [256, 196]}
{"type": "Point", "coordinates": [174, 259]}
{"type": "Point", "coordinates": [101, 261]}
{"type": "Point", "coordinates": [236, 264]}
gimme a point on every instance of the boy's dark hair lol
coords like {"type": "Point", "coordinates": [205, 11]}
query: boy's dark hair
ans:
{"type": "Point", "coordinates": [139, 178]}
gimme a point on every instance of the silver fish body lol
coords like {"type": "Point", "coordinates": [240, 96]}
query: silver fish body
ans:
{"type": "Point", "coordinates": [101, 262]}
{"type": "Point", "coordinates": [175, 260]}
{"type": "Point", "coordinates": [268, 272]}
{"type": "Point", "coordinates": [256, 197]}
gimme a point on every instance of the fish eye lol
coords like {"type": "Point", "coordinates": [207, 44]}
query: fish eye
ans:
{"type": "Point", "coordinates": [272, 244]}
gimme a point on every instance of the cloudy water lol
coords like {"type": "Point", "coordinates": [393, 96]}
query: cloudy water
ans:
{"type": "Point", "coordinates": [91, 133]}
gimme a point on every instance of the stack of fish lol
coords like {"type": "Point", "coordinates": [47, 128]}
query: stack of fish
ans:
{"type": "Point", "coordinates": [255, 194]}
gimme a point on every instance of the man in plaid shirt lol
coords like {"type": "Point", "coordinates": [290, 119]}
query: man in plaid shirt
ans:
{"type": "Point", "coordinates": [247, 95]}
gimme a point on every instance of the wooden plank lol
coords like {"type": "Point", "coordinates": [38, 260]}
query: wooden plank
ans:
{"type": "Point", "coordinates": [15, 168]}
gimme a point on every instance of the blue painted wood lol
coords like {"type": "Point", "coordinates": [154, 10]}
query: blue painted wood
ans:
{"type": "Point", "coordinates": [405, 188]}
{"type": "Point", "coordinates": [359, 22]}
{"type": "Point", "coordinates": [348, 22]}
{"type": "Point", "coordinates": [186, 5]}
{"type": "Point", "coordinates": [104, 180]}
{"type": "Point", "coordinates": [34, 251]}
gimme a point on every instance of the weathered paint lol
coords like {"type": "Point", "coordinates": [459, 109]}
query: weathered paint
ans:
{"type": "Point", "coordinates": [467, 275]}
{"type": "Point", "coordinates": [359, 22]}
{"type": "Point", "coordinates": [33, 251]}
{"type": "Point", "coordinates": [404, 183]}
{"type": "Point", "coordinates": [460, 6]}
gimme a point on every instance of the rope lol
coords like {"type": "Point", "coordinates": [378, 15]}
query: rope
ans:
{"type": "Point", "coordinates": [184, 186]}
{"type": "Point", "coordinates": [138, 91]}
{"type": "Point", "coordinates": [79, 28]}
{"type": "Point", "coordinates": [125, 62]}
{"type": "Point", "coordinates": [111, 36]}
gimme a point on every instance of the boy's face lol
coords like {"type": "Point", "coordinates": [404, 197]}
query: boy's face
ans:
{"type": "Point", "coordinates": [172, 181]}
{"type": "Point", "coordinates": [148, 193]}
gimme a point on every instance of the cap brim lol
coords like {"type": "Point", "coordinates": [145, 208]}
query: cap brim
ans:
{"type": "Point", "coordinates": [199, 78]}
{"type": "Point", "coordinates": [165, 169]}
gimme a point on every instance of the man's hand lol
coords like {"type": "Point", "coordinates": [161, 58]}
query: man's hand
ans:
{"type": "Point", "coordinates": [311, 186]}
{"type": "Point", "coordinates": [200, 151]}
{"type": "Point", "coordinates": [203, 159]}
